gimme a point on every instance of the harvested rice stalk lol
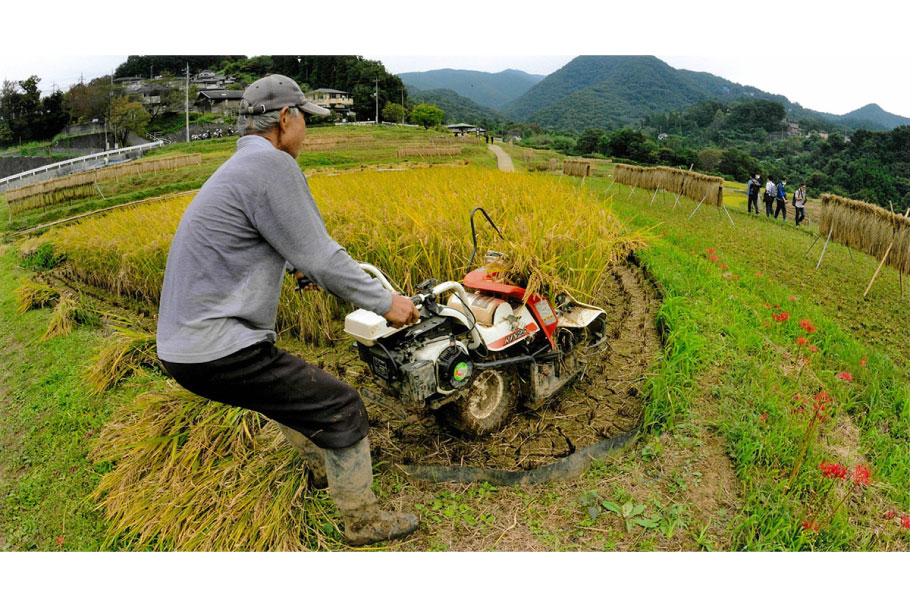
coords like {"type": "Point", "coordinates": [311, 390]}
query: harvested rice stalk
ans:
{"type": "Point", "coordinates": [31, 295]}
{"type": "Point", "coordinates": [192, 474]}
{"type": "Point", "coordinates": [68, 313]}
{"type": "Point", "coordinates": [123, 354]}
{"type": "Point", "coordinates": [62, 318]}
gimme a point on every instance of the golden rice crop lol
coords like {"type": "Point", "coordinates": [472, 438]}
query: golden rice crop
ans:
{"type": "Point", "coordinates": [413, 225]}
{"type": "Point", "coordinates": [868, 228]}
{"type": "Point", "coordinates": [676, 181]}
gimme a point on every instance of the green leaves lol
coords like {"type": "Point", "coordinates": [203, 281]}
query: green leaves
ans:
{"type": "Point", "coordinates": [629, 512]}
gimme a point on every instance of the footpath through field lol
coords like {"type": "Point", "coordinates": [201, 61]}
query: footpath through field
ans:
{"type": "Point", "coordinates": [503, 160]}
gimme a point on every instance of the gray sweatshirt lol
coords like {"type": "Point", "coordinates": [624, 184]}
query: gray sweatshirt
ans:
{"type": "Point", "coordinates": [227, 260]}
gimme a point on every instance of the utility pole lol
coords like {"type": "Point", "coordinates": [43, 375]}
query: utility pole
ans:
{"type": "Point", "coordinates": [376, 94]}
{"type": "Point", "coordinates": [187, 105]}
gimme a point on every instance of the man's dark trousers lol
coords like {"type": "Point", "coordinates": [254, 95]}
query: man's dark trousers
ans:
{"type": "Point", "coordinates": [781, 208]}
{"type": "Point", "coordinates": [282, 387]}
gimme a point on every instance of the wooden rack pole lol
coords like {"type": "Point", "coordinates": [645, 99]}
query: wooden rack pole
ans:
{"type": "Point", "coordinates": [823, 248]}
{"type": "Point", "coordinates": [698, 205]}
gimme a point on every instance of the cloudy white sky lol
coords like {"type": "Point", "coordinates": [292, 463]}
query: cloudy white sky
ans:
{"type": "Point", "coordinates": [834, 58]}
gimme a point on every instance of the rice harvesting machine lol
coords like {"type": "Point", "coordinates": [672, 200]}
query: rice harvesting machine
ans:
{"type": "Point", "coordinates": [481, 345]}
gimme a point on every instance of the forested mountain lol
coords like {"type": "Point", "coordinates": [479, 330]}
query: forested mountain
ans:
{"type": "Point", "coordinates": [456, 107]}
{"type": "Point", "coordinates": [484, 88]}
{"type": "Point", "coordinates": [874, 114]}
{"type": "Point", "coordinates": [613, 91]}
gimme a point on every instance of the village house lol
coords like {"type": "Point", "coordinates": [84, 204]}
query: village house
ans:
{"type": "Point", "coordinates": [207, 79]}
{"type": "Point", "coordinates": [340, 102]}
{"type": "Point", "coordinates": [218, 101]}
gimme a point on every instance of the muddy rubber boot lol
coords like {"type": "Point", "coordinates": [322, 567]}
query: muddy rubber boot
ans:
{"type": "Point", "coordinates": [350, 474]}
{"type": "Point", "coordinates": [312, 455]}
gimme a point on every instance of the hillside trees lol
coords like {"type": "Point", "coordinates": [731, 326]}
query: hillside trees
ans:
{"type": "Point", "coordinates": [27, 116]}
{"type": "Point", "coordinates": [394, 112]}
{"type": "Point", "coordinates": [126, 116]}
{"type": "Point", "coordinates": [426, 115]}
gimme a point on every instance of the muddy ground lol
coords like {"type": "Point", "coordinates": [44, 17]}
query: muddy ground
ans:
{"type": "Point", "coordinates": [605, 402]}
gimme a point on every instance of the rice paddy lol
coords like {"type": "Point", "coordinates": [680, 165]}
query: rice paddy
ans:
{"type": "Point", "coordinates": [752, 340]}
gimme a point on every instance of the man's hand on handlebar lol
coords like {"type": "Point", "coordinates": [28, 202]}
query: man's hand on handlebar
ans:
{"type": "Point", "coordinates": [304, 283]}
{"type": "Point", "coordinates": [403, 312]}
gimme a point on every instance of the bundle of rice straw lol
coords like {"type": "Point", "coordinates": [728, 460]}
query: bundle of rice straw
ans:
{"type": "Point", "coordinates": [868, 228]}
{"type": "Point", "coordinates": [676, 181]}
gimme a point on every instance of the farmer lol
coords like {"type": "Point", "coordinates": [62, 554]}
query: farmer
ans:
{"type": "Point", "coordinates": [753, 187]}
{"type": "Point", "coordinates": [799, 201]}
{"type": "Point", "coordinates": [251, 220]}
{"type": "Point", "coordinates": [770, 195]}
{"type": "Point", "coordinates": [781, 199]}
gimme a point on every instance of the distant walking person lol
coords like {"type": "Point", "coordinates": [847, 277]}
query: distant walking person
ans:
{"type": "Point", "coordinates": [781, 199]}
{"type": "Point", "coordinates": [799, 201]}
{"type": "Point", "coordinates": [770, 195]}
{"type": "Point", "coordinates": [752, 189]}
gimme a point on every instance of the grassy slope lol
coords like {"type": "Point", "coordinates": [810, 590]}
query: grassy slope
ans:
{"type": "Point", "coordinates": [48, 420]}
{"type": "Point", "coordinates": [712, 471]}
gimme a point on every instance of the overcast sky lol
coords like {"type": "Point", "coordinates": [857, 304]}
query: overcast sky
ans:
{"type": "Point", "coordinates": [834, 58]}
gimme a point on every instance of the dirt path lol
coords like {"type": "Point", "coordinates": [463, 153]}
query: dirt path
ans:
{"type": "Point", "coordinates": [503, 160]}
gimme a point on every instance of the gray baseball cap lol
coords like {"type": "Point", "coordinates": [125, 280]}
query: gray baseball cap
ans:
{"type": "Point", "coordinates": [273, 93]}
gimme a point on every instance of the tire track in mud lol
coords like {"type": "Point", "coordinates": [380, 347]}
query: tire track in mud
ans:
{"type": "Point", "coordinates": [601, 411]}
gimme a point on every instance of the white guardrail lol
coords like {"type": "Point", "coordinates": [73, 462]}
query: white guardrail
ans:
{"type": "Point", "coordinates": [95, 160]}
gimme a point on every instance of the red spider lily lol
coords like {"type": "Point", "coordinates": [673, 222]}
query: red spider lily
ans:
{"type": "Point", "coordinates": [776, 305]}
{"type": "Point", "coordinates": [806, 361]}
{"type": "Point", "coordinates": [861, 475]}
{"type": "Point", "coordinates": [802, 341]}
{"type": "Point", "coordinates": [810, 526]}
{"type": "Point", "coordinates": [845, 376]}
{"type": "Point", "coordinates": [713, 258]}
{"type": "Point", "coordinates": [781, 317]}
{"type": "Point", "coordinates": [833, 471]}
{"type": "Point", "coordinates": [765, 323]}
{"type": "Point", "coordinates": [793, 298]}
{"type": "Point", "coordinates": [691, 252]}
{"type": "Point", "coordinates": [890, 514]}
{"type": "Point", "coordinates": [905, 521]}
{"type": "Point", "coordinates": [862, 362]}
{"type": "Point", "coordinates": [813, 348]}
{"type": "Point", "coordinates": [822, 398]}
{"type": "Point", "coordinates": [759, 274]}
{"type": "Point", "coordinates": [59, 540]}
{"type": "Point", "coordinates": [806, 325]}
{"type": "Point", "coordinates": [763, 418]}
{"type": "Point", "coordinates": [736, 277]}
{"type": "Point", "coordinates": [709, 251]}
{"type": "Point", "coordinates": [723, 266]}
{"type": "Point", "coordinates": [766, 304]}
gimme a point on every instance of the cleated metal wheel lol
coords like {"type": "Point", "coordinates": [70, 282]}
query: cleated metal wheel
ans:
{"type": "Point", "coordinates": [486, 404]}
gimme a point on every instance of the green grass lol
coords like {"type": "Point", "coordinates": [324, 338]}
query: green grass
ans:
{"type": "Point", "coordinates": [47, 421]}
{"type": "Point", "coordinates": [725, 348]}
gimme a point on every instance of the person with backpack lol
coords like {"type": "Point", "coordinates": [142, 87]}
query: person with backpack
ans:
{"type": "Point", "coordinates": [752, 189]}
{"type": "Point", "coordinates": [770, 195]}
{"type": "Point", "coordinates": [781, 199]}
{"type": "Point", "coordinates": [799, 201]}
